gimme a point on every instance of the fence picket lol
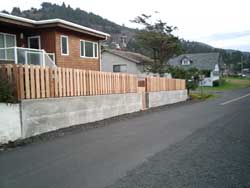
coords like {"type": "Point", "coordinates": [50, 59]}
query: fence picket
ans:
{"type": "Point", "coordinates": [42, 82]}
{"type": "Point", "coordinates": [47, 83]}
{"type": "Point", "coordinates": [32, 82]}
{"type": "Point", "coordinates": [37, 78]}
{"type": "Point", "coordinates": [27, 82]}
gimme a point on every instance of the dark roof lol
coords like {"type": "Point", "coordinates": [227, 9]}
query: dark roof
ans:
{"type": "Point", "coordinates": [201, 61]}
{"type": "Point", "coordinates": [131, 56]}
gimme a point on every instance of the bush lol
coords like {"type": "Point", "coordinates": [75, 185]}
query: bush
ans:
{"type": "Point", "coordinates": [6, 91]}
{"type": "Point", "coordinates": [222, 81]}
{"type": "Point", "coordinates": [199, 96]}
{"type": "Point", "coordinates": [216, 83]}
{"type": "Point", "coordinates": [191, 76]}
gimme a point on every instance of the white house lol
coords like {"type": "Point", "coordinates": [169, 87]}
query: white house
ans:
{"type": "Point", "coordinates": [123, 61]}
{"type": "Point", "coordinates": [209, 63]}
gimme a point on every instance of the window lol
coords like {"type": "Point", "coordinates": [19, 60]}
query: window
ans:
{"type": "Point", "coordinates": [34, 42]}
{"type": "Point", "coordinates": [216, 73]}
{"type": "Point", "coordinates": [64, 45]}
{"type": "Point", "coordinates": [119, 68]}
{"type": "Point", "coordinates": [185, 62]}
{"type": "Point", "coordinates": [82, 47]}
{"type": "Point", "coordinates": [7, 41]}
{"type": "Point", "coordinates": [88, 49]}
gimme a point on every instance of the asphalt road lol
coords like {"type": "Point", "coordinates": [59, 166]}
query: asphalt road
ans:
{"type": "Point", "coordinates": [203, 144]}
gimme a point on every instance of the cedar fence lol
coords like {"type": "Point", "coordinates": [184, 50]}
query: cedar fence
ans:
{"type": "Point", "coordinates": [154, 84]}
{"type": "Point", "coordinates": [34, 82]}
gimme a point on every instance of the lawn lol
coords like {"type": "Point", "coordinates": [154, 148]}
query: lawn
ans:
{"type": "Point", "coordinates": [230, 84]}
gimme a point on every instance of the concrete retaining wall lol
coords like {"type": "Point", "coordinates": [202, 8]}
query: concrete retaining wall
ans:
{"type": "Point", "coordinates": [10, 124]}
{"type": "Point", "coordinates": [44, 115]}
{"type": "Point", "coordinates": [166, 97]}
{"type": "Point", "coordinates": [34, 117]}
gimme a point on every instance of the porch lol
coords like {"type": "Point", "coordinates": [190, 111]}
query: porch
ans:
{"type": "Point", "coordinates": [21, 45]}
{"type": "Point", "coordinates": [19, 55]}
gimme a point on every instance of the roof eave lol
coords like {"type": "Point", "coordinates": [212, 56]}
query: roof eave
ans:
{"type": "Point", "coordinates": [48, 23]}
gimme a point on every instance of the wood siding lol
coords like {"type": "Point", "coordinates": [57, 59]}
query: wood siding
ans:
{"type": "Point", "coordinates": [73, 60]}
{"type": "Point", "coordinates": [48, 40]}
{"type": "Point", "coordinates": [51, 43]}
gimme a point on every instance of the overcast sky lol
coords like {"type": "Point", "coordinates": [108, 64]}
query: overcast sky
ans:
{"type": "Point", "coordinates": [220, 23]}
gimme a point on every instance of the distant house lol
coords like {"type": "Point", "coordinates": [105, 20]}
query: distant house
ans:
{"type": "Point", "coordinates": [49, 42]}
{"type": "Point", "coordinates": [124, 61]}
{"type": "Point", "coordinates": [210, 63]}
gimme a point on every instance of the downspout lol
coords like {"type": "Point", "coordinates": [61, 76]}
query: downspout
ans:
{"type": "Point", "coordinates": [100, 52]}
{"type": "Point", "coordinates": [100, 56]}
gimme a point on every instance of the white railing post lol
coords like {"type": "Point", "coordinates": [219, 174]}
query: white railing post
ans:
{"type": "Point", "coordinates": [43, 58]}
{"type": "Point", "coordinates": [15, 52]}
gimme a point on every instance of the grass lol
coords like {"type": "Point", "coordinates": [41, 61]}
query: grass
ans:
{"type": "Point", "coordinates": [199, 96]}
{"type": "Point", "coordinates": [230, 84]}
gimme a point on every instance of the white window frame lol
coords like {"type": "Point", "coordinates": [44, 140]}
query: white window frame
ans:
{"type": "Point", "coordinates": [185, 62]}
{"type": "Point", "coordinates": [94, 52]}
{"type": "Point", "coordinates": [4, 38]}
{"type": "Point", "coordinates": [35, 37]}
{"type": "Point", "coordinates": [67, 39]}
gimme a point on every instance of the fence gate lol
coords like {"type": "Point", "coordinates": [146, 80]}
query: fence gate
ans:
{"type": "Point", "coordinates": [142, 90]}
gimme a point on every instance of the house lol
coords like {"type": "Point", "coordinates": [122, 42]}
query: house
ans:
{"type": "Point", "coordinates": [49, 42]}
{"type": "Point", "coordinates": [124, 61]}
{"type": "Point", "coordinates": [209, 63]}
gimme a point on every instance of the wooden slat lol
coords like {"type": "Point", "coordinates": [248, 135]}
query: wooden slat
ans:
{"type": "Point", "coordinates": [81, 82]}
{"type": "Point", "coordinates": [71, 83]}
{"type": "Point", "coordinates": [56, 82]}
{"type": "Point", "coordinates": [47, 82]}
{"type": "Point", "coordinates": [63, 82]}
{"type": "Point", "coordinates": [16, 83]}
{"type": "Point", "coordinates": [84, 83]}
{"type": "Point", "coordinates": [37, 78]}
{"type": "Point", "coordinates": [90, 83]}
{"type": "Point", "coordinates": [21, 82]}
{"type": "Point", "coordinates": [59, 81]}
{"type": "Point", "coordinates": [74, 82]}
{"type": "Point", "coordinates": [42, 82]}
{"type": "Point", "coordinates": [32, 82]}
{"type": "Point", "coordinates": [27, 82]}
{"type": "Point", "coordinates": [9, 72]}
{"type": "Point", "coordinates": [78, 82]}
{"type": "Point", "coordinates": [67, 82]}
{"type": "Point", "coordinates": [52, 82]}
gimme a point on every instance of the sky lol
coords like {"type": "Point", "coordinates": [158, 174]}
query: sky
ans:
{"type": "Point", "coordinates": [220, 23]}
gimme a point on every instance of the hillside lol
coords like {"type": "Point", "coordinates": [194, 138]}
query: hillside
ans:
{"type": "Point", "coordinates": [81, 17]}
{"type": "Point", "coordinates": [50, 11]}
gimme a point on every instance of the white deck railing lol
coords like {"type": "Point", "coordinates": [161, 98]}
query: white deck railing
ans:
{"type": "Point", "coordinates": [28, 56]}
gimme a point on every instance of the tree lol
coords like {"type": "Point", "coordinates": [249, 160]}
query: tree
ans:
{"type": "Point", "coordinates": [157, 39]}
{"type": "Point", "coordinates": [190, 75]}
{"type": "Point", "coordinates": [16, 11]}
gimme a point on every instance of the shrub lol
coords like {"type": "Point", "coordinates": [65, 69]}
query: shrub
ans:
{"type": "Point", "coordinates": [222, 82]}
{"type": "Point", "coordinates": [216, 83]}
{"type": "Point", "coordinates": [191, 76]}
{"type": "Point", "coordinates": [6, 91]}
